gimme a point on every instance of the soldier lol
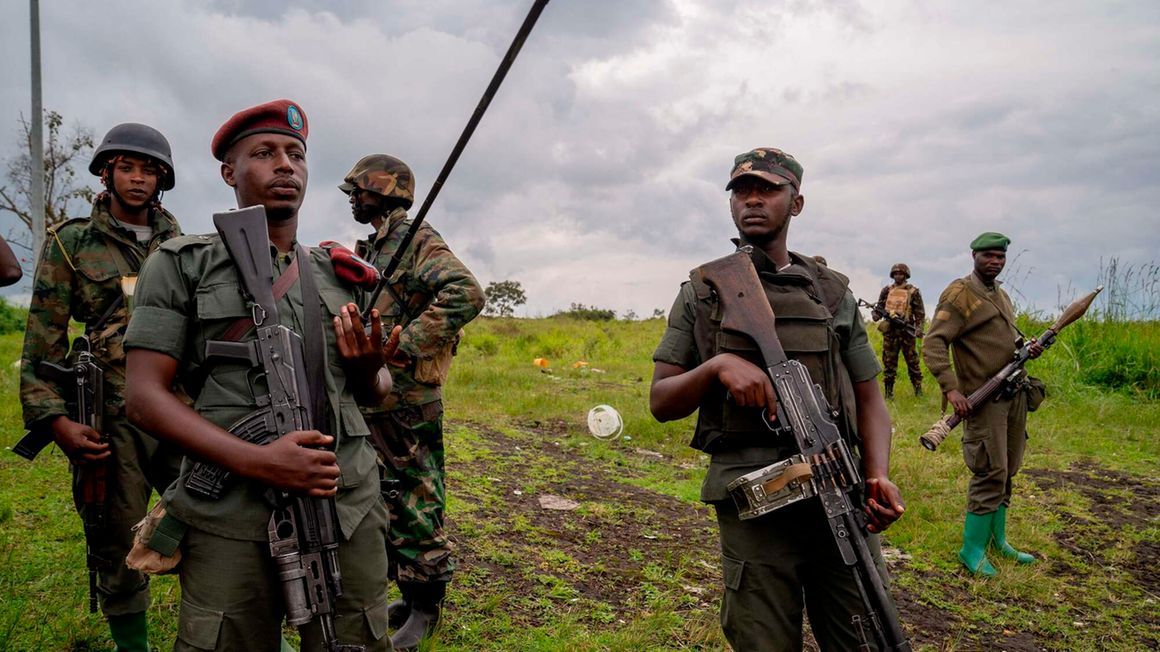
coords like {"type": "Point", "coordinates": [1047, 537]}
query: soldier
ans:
{"type": "Point", "coordinates": [903, 301]}
{"type": "Point", "coordinates": [86, 272]}
{"type": "Point", "coordinates": [432, 295]}
{"type": "Point", "coordinates": [975, 319]}
{"type": "Point", "coordinates": [189, 293]}
{"type": "Point", "coordinates": [777, 564]}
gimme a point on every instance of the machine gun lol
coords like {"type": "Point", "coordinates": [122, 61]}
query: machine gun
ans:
{"type": "Point", "coordinates": [1010, 376]}
{"type": "Point", "coordinates": [909, 329]}
{"type": "Point", "coordinates": [86, 377]}
{"type": "Point", "coordinates": [303, 531]}
{"type": "Point", "coordinates": [824, 466]}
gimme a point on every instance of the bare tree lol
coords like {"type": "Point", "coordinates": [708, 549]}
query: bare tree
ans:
{"type": "Point", "coordinates": [61, 188]}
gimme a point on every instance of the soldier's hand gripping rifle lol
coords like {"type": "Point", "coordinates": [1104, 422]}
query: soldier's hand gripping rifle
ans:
{"type": "Point", "coordinates": [1010, 375]}
{"type": "Point", "coordinates": [303, 531]}
{"type": "Point", "coordinates": [909, 329]}
{"type": "Point", "coordinates": [824, 466]}
{"type": "Point", "coordinates": [83, 386]}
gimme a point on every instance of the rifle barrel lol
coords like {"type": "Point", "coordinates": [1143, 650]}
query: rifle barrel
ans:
{"type": "Point", "coordinates": [453, 158]}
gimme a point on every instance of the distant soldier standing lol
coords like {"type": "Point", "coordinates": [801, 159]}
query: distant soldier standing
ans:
{"type": "Point", "coordinates": [432, 295]}
{"type": "Point", "coordinates": [904, 301]}
{"type": "Point", "coordinates": [86, 272]}
{"type": "Point", "coordinates": [975, 318]}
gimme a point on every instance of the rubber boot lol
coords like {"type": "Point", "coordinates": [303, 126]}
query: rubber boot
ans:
{"type": "Point", "coordinates": [130, 632]}
{"type": "Point", "coordinates": [976, 534]}
{"type": "Point", "coordinates": [399, 610]}
{"type": "Point", "coordinates": [999, 538]}
{"type": "Point", "coordinates": [890, 391]}
{"type": "Point", "coordinates": [426, 605]}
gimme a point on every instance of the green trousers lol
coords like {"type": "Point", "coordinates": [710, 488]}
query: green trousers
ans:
{"type": "Point", "coordinates": [892, 345]}
{"type": "Point", "coordinates": [778, 566]}
{"type": "Point", "coordinates": [138, 465]}
{"type": "Point", "coordinates": [994, 438]}
{"type": "Point", "coordinates": [231, 598]}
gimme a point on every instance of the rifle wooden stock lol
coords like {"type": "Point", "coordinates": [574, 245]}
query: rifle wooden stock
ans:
{"type": "Point", "coordinates": [745, 310]}
{"type": "Point", "coordinates": [1009, 373]}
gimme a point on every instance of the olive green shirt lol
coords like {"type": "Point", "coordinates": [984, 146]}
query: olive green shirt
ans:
{"type": "Point", "coordinates": [189, 293]}
{"type": "Point", "coordinates": [677, 346]}
{"type": "Point", "coordinates": [977, 323]}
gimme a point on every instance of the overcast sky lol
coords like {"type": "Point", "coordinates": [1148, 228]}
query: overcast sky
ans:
{"type": "Point", "coordinates": [598, 174]}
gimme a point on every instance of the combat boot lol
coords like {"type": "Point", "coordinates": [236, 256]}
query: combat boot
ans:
{"type": "Point", "coordinates": [399, 610]}
{"type": "Point", "coordinates": [130, 632]}
{"type": "Point", "coordinates": [999, 538]}
{"type": "Point", "coordinates": [890, 390]}
{"type": "Point", "coordinates": [426, 605]}
{"type": "Point", "coordinates": [976, 534]}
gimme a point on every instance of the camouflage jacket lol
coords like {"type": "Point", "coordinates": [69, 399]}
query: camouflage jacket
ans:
{"type": "Point", "coordinates": [431, 295]}
{"type": "Point", "coordinates": [79, 278]}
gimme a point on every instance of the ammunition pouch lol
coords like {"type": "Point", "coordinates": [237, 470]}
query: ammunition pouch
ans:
{"type": "Point", "coordinates": [1036, 391]}
{"type": "Point", "coordinates": [156, 543]}
{"type": "Point", "coordinates": [434, 370]}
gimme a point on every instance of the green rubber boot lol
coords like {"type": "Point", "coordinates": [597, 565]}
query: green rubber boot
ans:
{"type": "Point", "coordinates": [130, 632]}
{"type": "Point", "coordinates": [976, 534]}
{"type": "Point", "coordinates": [999, 538]}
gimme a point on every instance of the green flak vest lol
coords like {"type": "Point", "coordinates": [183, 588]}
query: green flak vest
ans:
{"type": "Point", "coordinates": [803, 306]}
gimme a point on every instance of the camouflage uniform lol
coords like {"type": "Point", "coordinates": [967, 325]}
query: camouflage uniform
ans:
{"type": "Point", "coordinates": [432, 295]}
{"type": "Point", "coordinates": [895, 340]}
{"type": "Point", "coordinates": [79, 277]}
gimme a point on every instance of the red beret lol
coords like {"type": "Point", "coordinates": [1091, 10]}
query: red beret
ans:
{"type": "Point", "coordinates": [278, 117]}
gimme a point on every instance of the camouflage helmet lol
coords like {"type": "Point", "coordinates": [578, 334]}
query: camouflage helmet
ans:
{"type": "Point", "coordinates": [900, 267]}
{"type": "Point", "coordinates": [134, 138]}
{"type": "Point", "coordinates": [382, 174]}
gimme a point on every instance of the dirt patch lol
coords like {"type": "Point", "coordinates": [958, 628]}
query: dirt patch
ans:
{"type": "Point", "coordinates": [602, 555]}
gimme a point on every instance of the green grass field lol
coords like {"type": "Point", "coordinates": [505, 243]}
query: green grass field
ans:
{"type": "Point", "coordinates": [634, 565]}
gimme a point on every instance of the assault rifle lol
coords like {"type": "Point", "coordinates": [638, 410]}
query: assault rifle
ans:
{"type": "Point", "coordinates": [1010, 377]}
{"type": "Point", "coordinates": [909, 329]}
{"type": "Point", "coordinates": [824, 466]}
{"type": "Point", "coordinates": [303, 531]}
{"type": "Point", "coordinates": [87, 379]}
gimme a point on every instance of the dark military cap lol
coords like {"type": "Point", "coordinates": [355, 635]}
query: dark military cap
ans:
{"type": "Point", "coordinates": [277, 117]}
{"type": "Point", "coordinates": [771, 164]}
{"type": "Point", "coordinates": [990, 240]}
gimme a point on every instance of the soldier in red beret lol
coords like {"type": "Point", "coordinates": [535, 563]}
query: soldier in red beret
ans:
{"type": "Point", "coordinates": [189, 293]}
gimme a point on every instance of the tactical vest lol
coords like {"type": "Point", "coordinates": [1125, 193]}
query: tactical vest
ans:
{"type": "Point", "coordinates": [898, 301]}
{"type": "Point", "coordinates": [804, 305]}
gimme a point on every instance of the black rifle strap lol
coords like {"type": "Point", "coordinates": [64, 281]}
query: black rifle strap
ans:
{"type": "Point", "coordinates": [105, 316]}
{"type": "Point", "coordinates": [313, 340]}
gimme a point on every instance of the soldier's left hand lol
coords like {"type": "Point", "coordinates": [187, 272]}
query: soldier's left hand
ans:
{"type": "Point", "coordinates": [883, 503]}
{"type": "Point", "coordinates": [361, 352]}
{"type": "Point", "coordinates": [1035, 350]}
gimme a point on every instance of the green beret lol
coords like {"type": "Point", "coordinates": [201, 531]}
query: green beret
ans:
{"type": "Point", "coordinates": [990, 240]}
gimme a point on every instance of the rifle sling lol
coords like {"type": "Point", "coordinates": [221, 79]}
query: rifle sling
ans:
{"type": "Point", "coordinates": [314, 349]}
{"type": "Point", "coordinates": [281, 286]}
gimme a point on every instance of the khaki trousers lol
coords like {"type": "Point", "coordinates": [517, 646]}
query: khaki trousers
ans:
{"type": "Point", "coordinates": [994, 438]}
